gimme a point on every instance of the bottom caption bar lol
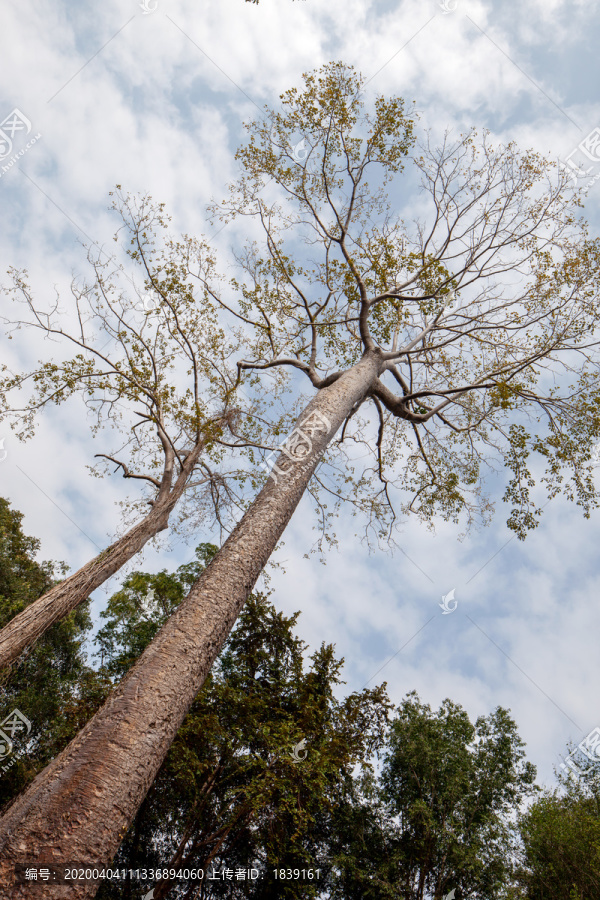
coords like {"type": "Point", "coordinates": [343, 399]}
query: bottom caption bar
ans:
{"type": "Point", "coordinates": [41, 873]}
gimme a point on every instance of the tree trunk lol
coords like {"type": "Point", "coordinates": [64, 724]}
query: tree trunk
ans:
{"type": "Point", "coordinates": [78, 809]}
{"type": "Point", "coordinates": [59, 601]}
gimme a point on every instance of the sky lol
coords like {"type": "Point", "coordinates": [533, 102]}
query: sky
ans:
{"type": "Point", "coordinates": [153, 95]}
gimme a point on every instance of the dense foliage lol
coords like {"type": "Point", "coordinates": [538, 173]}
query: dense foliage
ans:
{"type": "Point", "coordinates": [272, 770]}
{"type": "Point", "coordinates": [560, 850]}
{"type": "Point", "coordinates": [51, 683]}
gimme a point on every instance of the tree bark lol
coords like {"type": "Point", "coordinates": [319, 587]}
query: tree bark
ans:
{"type": "Point", "coordinates": [59, 601]}
{"type": "Point", "coordinates": [78, 809]}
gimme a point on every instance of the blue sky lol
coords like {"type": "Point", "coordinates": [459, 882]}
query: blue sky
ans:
{"type": "Point", "coordinates": [156, 102]}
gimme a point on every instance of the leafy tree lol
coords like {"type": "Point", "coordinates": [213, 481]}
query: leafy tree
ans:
{"type": "Point", "coordinates": [560, 843]}
{"type": "Point", "coordinates": [51, 683]}
{"type": "Point", "coordinates": [441, 816]}
{"type": "Point", "coordinates": [230, 792]}
{"type": "Point", "coordinates": [444, 341]}
{"type": "Point", "coordinates": [140, 365]}
{"type": "Point", "coordinates": [230, 789]}
{"type": "Point", "coordinates": [22, 579]}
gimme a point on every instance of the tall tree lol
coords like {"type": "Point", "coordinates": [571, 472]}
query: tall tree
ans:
{"type": "Point", "coordinates": [441, 817]}
{"type": "Point", "coordinates": [52, 679]}
{"type": "Point", "coordinates": [232, 790]}
{"type": "Point", "coordinates": [141, 364]}
{"type": "Point", "coordinates": [465, 328]}
{"type": "Point", "coordinates": [261, 760]}
{"type": "Point", "coordinates": [560, 842]}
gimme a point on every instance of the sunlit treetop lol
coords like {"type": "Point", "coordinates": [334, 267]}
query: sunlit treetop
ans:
{"type": "Point", "coordinates": [465, 264]}
{"type": "Point", "coordinates": [461, 264]}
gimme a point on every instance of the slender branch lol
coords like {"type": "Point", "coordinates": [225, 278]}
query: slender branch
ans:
{"type": "Point", "coordinates": [127, 473]}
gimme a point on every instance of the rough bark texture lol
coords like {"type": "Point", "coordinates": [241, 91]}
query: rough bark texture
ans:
{"type": "Point", "coordinates": [59, 601]}
{"type": "Point", "coordinates": [78, 809]}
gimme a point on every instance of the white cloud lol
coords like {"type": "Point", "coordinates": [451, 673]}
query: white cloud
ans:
{"type": "Point", "coordinates": [153, 113]}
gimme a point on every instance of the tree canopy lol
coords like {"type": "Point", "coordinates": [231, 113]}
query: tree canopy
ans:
{"type": "Point", "coordinates": [560, 842]}
{"type": "Point", "coordinates": [438, 818]}
{"type": "Point", "coordinates": [261, 760]}
{"type": "Point", "coordinates": [400, 358]}
{"type": "Point", "coordinates": [483, 308]}
{"type": "Point", "coordinates": [51, 683]}
{"type": "Point", "coordinates": [273, 768]}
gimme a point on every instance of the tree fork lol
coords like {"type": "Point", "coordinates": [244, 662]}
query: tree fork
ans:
{"type": "Point", "coordinates": [79, 808]}
{"type": "Point", "coordinates": [59, 601]}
